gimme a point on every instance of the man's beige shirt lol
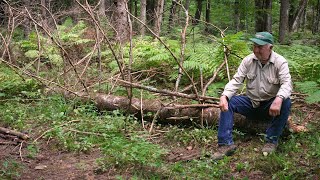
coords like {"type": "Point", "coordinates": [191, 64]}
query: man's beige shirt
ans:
{"type": "Point", "coordinates": [262, 82]}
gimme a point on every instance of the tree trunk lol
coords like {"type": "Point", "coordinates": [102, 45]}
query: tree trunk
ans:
{"type": "Point", "coordinates": [187, 4]}
{"type": "Point", "coordinates": [259, 15]}
{"type": "Point", "coordinates": [297, 16]}
{"type": "Point", "coordinates": [158, 20]}
{"type": "Point", "coordinates": [316, 19]}
{"type": "Point", "coordinates": [236, 15]}
{"type": "Point", "coordinates": [102, 8]}
{"type": "Point", "coordinates": [268, 15]}
{"type": "Point", "coordinates": [197, 16]}
{"type": "Point", "coordinates": [143, 7]}
{"type": "Point", "coordinates": [263, 15]}
{"type": "Point", "coordinates": [151, 16]}
{"type": "Point", "coordinates": [208, 7]}
{"type": "Point", "coordinates": [26, 22]}
{"type": "Point", "coordinates": [172, 15]}
{"type": "Point", "coordinates": [121, 21]}
{"type": "Point", "coordinates": [284, 20]}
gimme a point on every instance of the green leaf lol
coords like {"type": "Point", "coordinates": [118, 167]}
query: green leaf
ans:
{"type": "Point", "coordinates": [32, 54]}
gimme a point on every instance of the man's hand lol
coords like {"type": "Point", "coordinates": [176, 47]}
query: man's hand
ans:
{"type": "Point", "coordinates": [275, 107]}
{"type": "Point", "coordinates": [223, 104]}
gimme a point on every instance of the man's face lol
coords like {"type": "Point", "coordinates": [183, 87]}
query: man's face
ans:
{"type": "Point", "coordinates": [262, 52]}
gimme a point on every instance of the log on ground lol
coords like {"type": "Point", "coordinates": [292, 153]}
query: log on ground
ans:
{"type": "Point", "coordinates": [206, 115]}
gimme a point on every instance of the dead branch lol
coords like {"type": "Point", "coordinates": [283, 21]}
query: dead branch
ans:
{"type": "Point", "coordinates": [38, 78]}
{"type": "Point", "coordinates": [172, 54]}
{"type": "Point", "coordinates": [166, 92]}
{"type": "Point", "coordinates": [15, 133]}
{"type": "Point", "coordinates": [182, 53]}
{"type": "Point", "coordinates": [65, 53]}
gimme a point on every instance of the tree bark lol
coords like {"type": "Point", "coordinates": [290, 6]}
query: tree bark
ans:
{"type": "Point", "coordinates": [268, 15]}
{"type": "Point", "coordinates": [284, 20]}
{"type": "Point", "coordinates": [172, 15]}
{"type": "Point", "coordinates": [236, 15]}
{"type": "Point", "coordinates": [208, 8]}
{"type": "Point", "coordinates": [197, 16]}
{"type": "Point", "coordinates": [143, 8]}
{"type": "Point", "coordinates": [297, 16]}
{"type": "Point", "coordinates": [183, 114]}
{"type": "Point", "coordinates": [102, 8]}
{"type": "Point", "coordinates": [316, 18]}
{"type": "Point", "coordinates": [121, 21]}
{"type": "Point", "coordinates": [151, 16]}
{"type": "Point", "coordinates": [159, 14]}
{"type": "Point", "coordinates": [263, 15]}
{"type": "Point", "coordinates": [26, 23]}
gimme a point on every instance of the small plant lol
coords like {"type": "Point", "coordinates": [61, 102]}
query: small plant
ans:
{"type": "Point", "coordinates": [10, 169]}
{"type": "Point", "coordinates": [134, 152]}
{"type": "Point", "coordinates": [311, 88]}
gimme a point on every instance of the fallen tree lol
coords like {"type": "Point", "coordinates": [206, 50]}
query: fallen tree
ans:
{"type": "Point", "coordinates": [202, 114]}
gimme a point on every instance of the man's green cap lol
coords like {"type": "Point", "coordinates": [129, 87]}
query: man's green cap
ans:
{"type": "Point", "coordinates": [262, 38]}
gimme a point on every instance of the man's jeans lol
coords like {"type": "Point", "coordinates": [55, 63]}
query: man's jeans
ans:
{"type": "Point", "coordinates": [242, 105]}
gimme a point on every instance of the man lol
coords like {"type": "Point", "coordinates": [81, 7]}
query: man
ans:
{"type": "Point", "coordinates": [268, 87]}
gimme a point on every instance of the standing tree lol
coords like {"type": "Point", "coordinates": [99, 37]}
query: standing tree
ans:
{"type": "Point", "coordinates": [284, 20]}
{"type": "Point", "coordinates": [197, 16]}
{"type": "Point", "coordinates": [143, 8]}
{"type": "Point", "coordinates": [121, 20]}
{"type": "Point", "coordinates": [294, 21]}
{"type": "Point", "coordinates": [158, 20]}
{"type": "Point", "coordinates": [263, 15]}
{"type": "Point", "coordinates": [316, 18]}
{"type": "Point", "coordinates": [208, 6]}
{"type": "Point", "coordinates": [236, 15]}
{"type": "Point", "coordinates": [102, 8]}
{"type": "Point", "coordinates": [172, 15]}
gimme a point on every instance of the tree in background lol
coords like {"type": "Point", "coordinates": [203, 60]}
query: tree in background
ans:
{"type": "Point", "coordinates": [284, 20]}
{"type": "Point", "coordinates": [263, 17]}
{"type": "Point", "coordinates": [143, 8]}
{"type": "Point", "coordinates": [197, 15]}
{"type": "Point", "coordinates": [316, 17]}
{"type": "Point", "coordinates": [296, 15]}
{"type": "Point", "coordinates": [158, 17]}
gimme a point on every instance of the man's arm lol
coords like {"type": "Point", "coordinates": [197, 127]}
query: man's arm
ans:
{"type": "Point", "coordinates": [284, 91]}
{"type": "Point", "coordinates": [232, 86]}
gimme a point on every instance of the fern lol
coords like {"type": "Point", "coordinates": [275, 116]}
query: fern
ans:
{"type": "Point", "coordinates": [311, 88]}
{"type": "Point", "coordinates": [32, 54]}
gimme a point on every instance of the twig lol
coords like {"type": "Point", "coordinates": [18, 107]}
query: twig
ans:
{"type": "Point", "coordinates": [225, 51]}
{"type": "Point", "coordinates": [174, 106]}
{"type": "Point", "coordinates": [182, 53]}
{"type": "Point", "coordinates": [172, 54]}
{"type": "Point", "coordinates": [141, 109]}
{"type": "Point", "coordinates": [212, 78]}
{"type": "Point", "coordinates": [61, 48]}
{"type": "Point", "coordinates": [105, 37]}
{"type": "Point", "coordinates": [84, 132]}
{"type": "Point", "coordinates": [40, 79]}
{"type": "Point", "coordinates": [154, 119]}
{"type": "Point", "coordinates": [45, 132]}
{"type": "Point", "coordinates": [166, 92]}
{"type": "Point", "coordinates": [20, 151]}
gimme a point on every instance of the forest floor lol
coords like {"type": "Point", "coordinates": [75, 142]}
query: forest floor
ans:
{"type": "Point", "coordinates": [49, 161]}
